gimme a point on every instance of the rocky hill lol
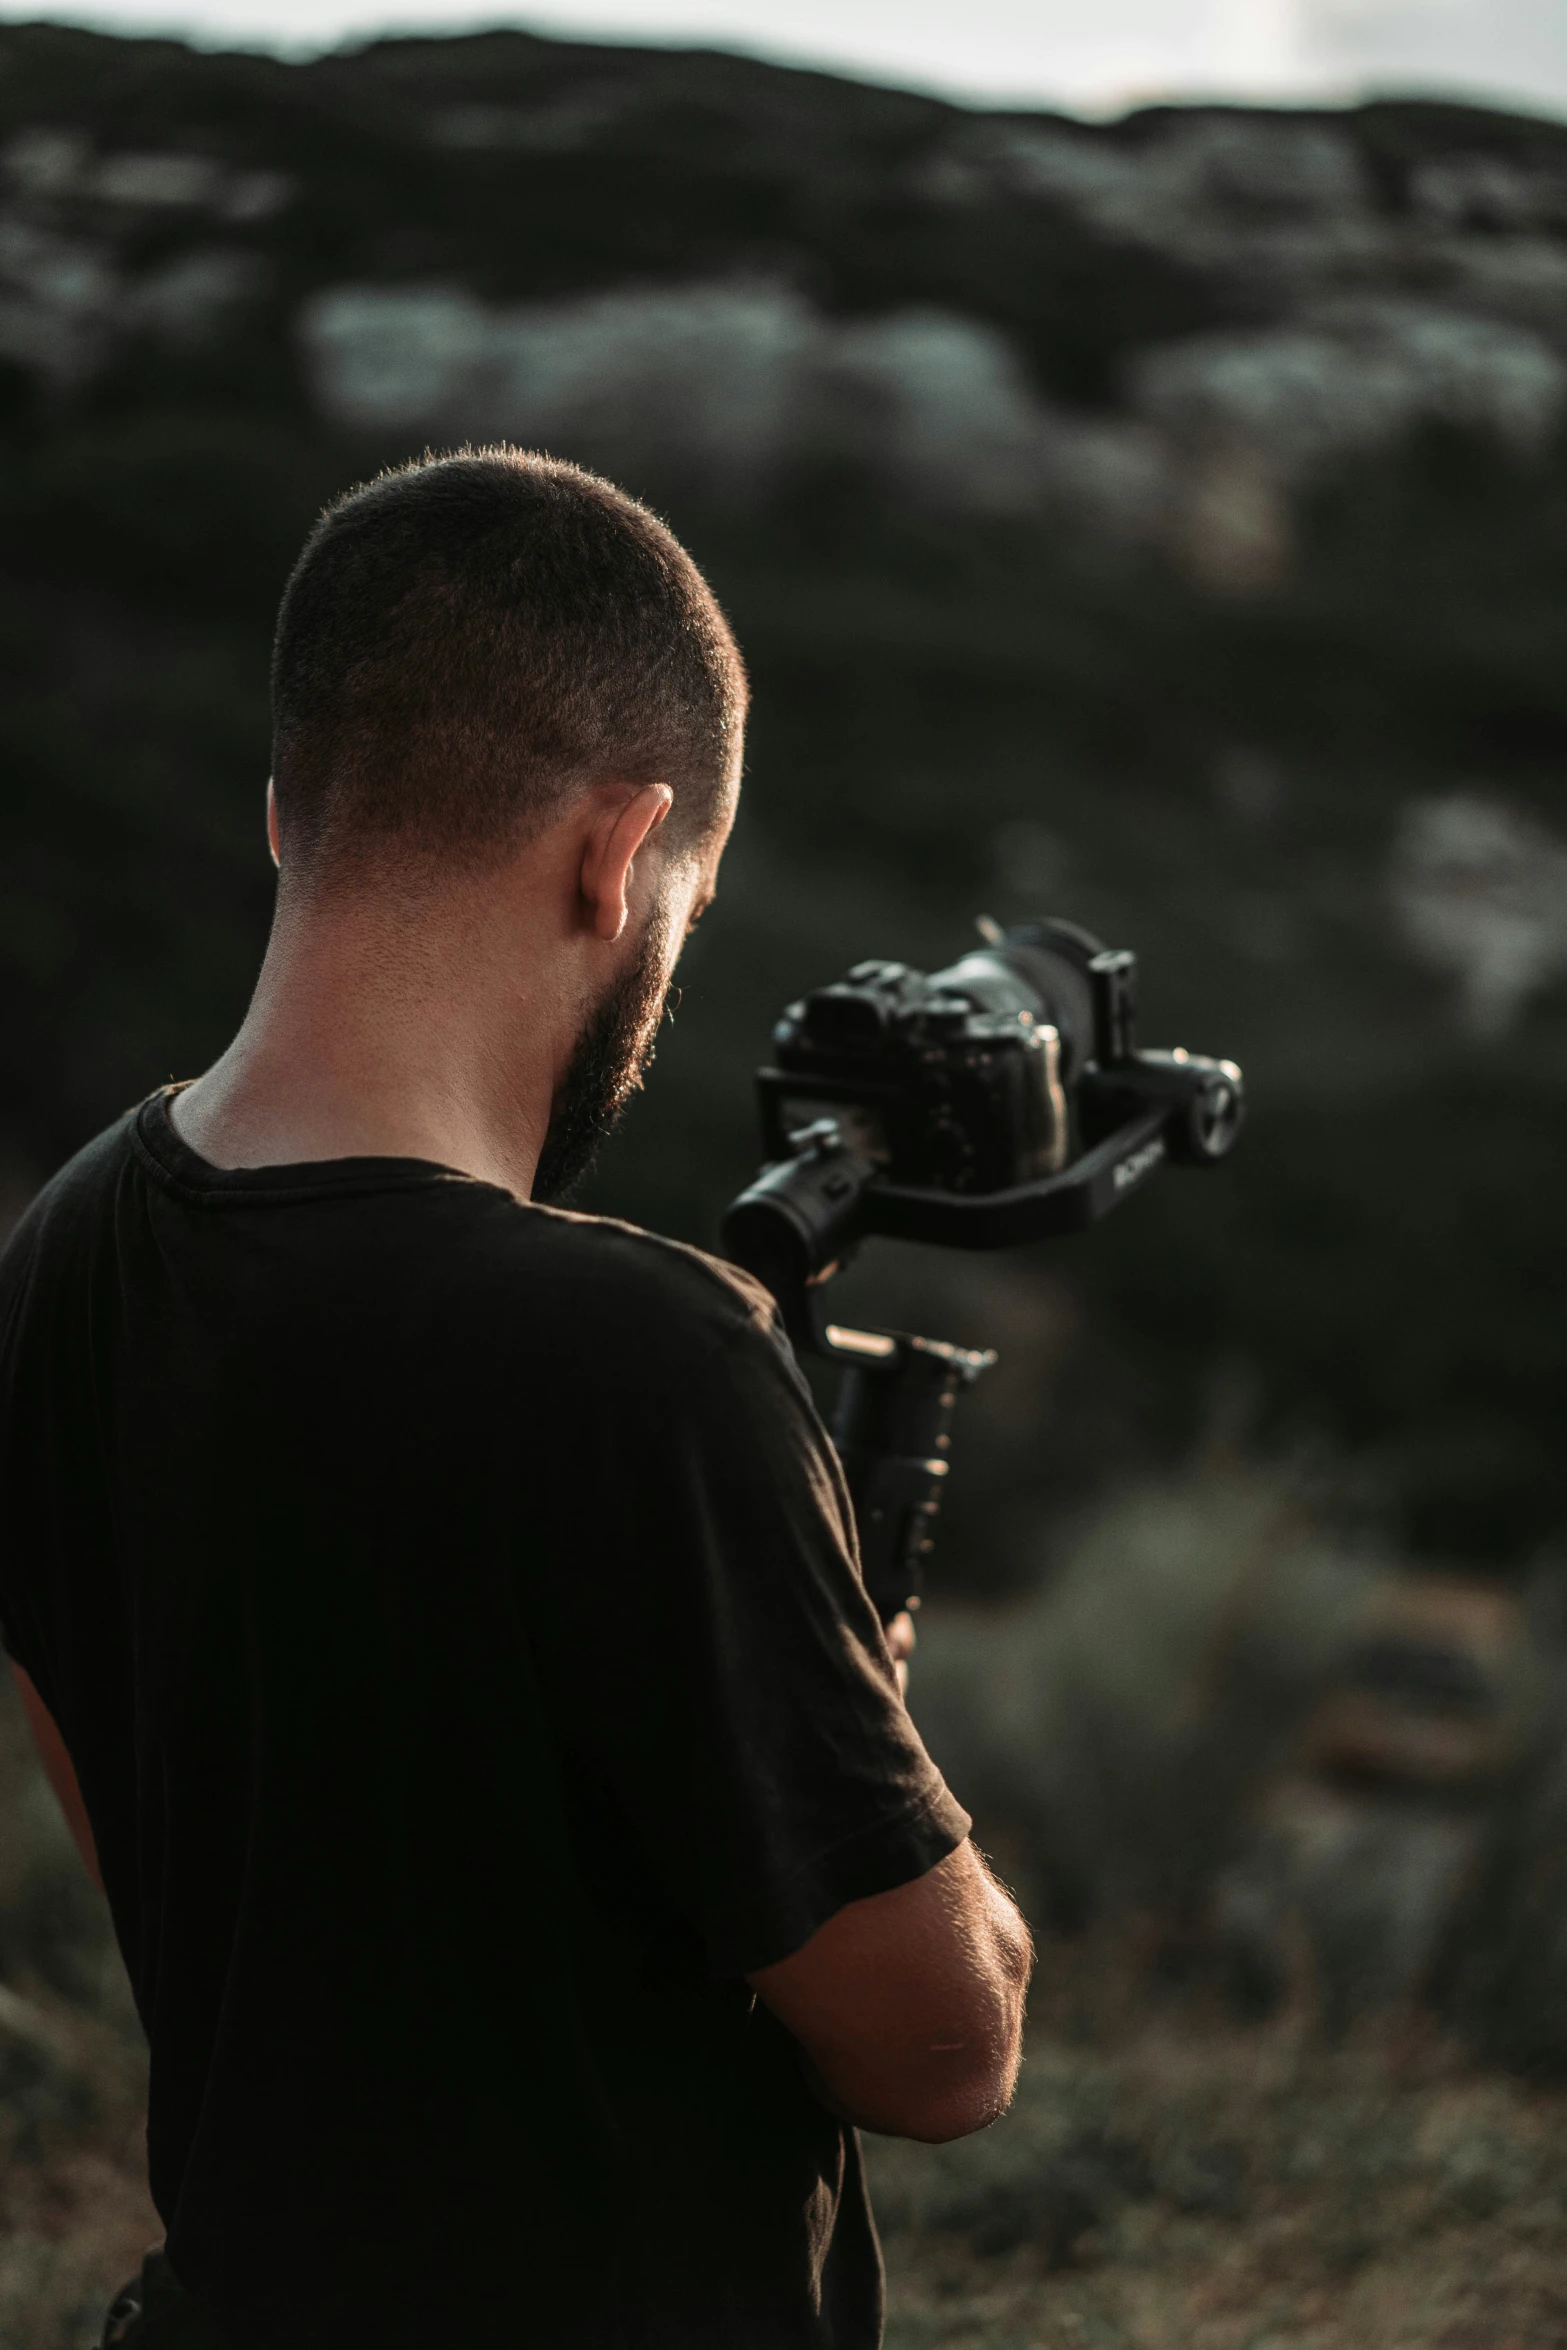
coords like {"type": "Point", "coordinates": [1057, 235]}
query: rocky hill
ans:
{"type": "Point", "coordinates": [1165, 522]}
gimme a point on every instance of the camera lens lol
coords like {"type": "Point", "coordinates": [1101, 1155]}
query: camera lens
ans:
{"type": "Point", "coordinates": [1040, 968]}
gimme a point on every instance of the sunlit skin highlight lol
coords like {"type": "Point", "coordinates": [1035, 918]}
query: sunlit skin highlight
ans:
{"type": "Point", "coordinates": [435, 1019]}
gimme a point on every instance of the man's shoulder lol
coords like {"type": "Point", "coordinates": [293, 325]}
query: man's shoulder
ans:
{"type": "Point", "coordinates": [603, 1270]}
{"type": "Point", "coordinates": [78, 1188]}
{"type": "Point", "coordinates": [615, 1310]}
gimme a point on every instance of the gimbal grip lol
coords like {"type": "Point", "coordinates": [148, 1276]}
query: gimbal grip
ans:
{"type": "Point", "coordinates": [893, 1431]}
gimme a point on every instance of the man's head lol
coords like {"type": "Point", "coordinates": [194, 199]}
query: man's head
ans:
{"type": "Point", "coordinates": [467, 641]}
{"type": "Point", "coordinates": [492, 663]}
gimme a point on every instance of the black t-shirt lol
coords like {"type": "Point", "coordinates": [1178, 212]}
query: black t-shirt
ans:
{"type": "Point", "coordinates": [449, 1605]}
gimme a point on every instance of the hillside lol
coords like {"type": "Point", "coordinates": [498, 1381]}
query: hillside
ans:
{"type": "Point", "coordinates": [1163, 522]}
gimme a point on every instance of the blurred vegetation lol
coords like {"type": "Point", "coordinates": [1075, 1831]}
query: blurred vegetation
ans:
{"type": "Point", "coordinates": [1169, 2180]}
{"type": "Point", "coordinates": [74, 2212]}
{"type": "Point", "coordinates": [1113, 1730]}
{"type": "Point", "coordinates": [955, 710]}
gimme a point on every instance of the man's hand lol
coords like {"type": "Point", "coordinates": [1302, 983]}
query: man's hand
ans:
{"type": "Point", "coordinates": [910, 2005]}
{"type": "Point", "coordinates": [900, 1640]}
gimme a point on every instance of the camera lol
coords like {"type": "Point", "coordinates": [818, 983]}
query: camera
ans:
{"type": "Point", "coordinates": [997, 1101]}
{"type": "Point", "coordinates": [1000, 1100]}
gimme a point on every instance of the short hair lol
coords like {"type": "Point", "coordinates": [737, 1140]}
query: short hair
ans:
{"type": "Point", "coordinates": [468, 640]}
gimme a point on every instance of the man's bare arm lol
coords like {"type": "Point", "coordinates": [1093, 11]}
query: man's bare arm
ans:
{"type": "Point", "coordinates": [910, 2005]}
{"type": "Point", "coordinates": [60, 1772]}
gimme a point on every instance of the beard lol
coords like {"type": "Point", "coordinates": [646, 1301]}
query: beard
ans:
{"type": "Point", "coordinates": [608, 1065]}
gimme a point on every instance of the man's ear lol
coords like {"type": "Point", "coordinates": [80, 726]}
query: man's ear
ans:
{"type": "Point", "coordinates": [272, 830]}
{"type": "Point", "coordinates": [619, 832]}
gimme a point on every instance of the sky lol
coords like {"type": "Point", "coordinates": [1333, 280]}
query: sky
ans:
{"type": "Point", "coordinates": [1095, 56]}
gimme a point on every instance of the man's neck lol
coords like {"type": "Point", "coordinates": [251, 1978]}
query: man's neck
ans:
{"type": "Point", "coordinates": [378, 1033]}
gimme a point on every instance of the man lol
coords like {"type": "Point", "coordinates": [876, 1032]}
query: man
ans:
{"type": "Point", "coordinates": [439, 1610]}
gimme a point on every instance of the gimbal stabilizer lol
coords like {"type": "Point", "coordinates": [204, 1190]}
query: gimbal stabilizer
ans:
{"type": "Point", "coordinates": [1020, 1058]}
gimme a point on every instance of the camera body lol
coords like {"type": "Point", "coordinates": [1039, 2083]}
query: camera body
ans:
{"type": "Point", "coordinates": [948, 1083]}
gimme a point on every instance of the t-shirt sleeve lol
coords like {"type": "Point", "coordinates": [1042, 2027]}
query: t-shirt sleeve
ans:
{"type": "Point", "coordinates": [752, 1727]}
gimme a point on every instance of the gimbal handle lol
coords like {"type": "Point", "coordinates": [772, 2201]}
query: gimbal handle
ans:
{"type": "Point", "coordinates": [893, 1431]}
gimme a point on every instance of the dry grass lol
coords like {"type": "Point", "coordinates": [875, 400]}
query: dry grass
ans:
{"type": "Point", "coordinates": [75, 2216]}
{"type": "Point", "coordinates": [1168, 2180]}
